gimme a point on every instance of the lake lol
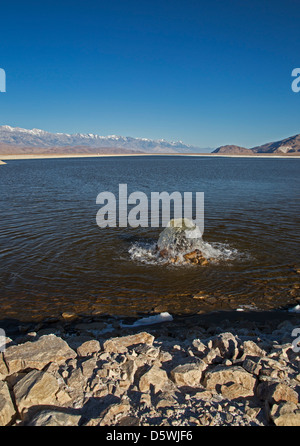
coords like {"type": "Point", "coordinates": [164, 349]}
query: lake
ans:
{"type": "Point", "coordinates": [54, 258]}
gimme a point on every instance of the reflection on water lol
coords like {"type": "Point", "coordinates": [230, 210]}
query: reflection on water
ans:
{"type": "Point", "coordinates": [54, 257]}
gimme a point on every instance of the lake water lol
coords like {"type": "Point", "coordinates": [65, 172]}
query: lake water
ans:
{"type": "Point", "coordinates": [54, 258]}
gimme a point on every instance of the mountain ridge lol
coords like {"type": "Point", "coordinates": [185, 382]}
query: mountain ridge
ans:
{"type": "Point", "coordinates": [290, 145]}
{"type": "Point", "coordinates": [20, 137]}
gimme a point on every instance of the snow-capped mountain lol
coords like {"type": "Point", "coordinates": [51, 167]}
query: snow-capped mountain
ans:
{"type": "Point", "coordinates": [39, 138]}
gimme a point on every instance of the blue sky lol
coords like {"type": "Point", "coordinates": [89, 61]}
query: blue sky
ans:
{"type": "Point", "coordinates": [205, 72]}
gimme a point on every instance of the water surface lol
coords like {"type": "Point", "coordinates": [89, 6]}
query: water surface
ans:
{"type": "Point", "coordinates": [54, 258]}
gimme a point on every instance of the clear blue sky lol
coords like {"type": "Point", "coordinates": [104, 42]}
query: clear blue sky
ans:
{"type": "Point", "coordinates": [205, 72]}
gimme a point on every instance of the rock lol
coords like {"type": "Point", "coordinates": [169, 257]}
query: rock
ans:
{"type": "Point", "coordinates": [119, 345]}
{"type": "Point", "coordinates": [69, 316]}
{"type": "Point", "coordinates": [227, 344]}
{"type": "Point", "coordinates": [213, 356]}
{"type": "Point", "coordinates": [109, 415]}
{"type": "Point", "coordinates": [192, 255]}
{"type": "Point", "coordinates": [251, 366]}
{"type": "Point", "coordinates": [14, 378]}
{"type": "Point", "coordinates": [88, 367]}
{"type": "Point", "coordinates": [7, 410]}
{"type": "Point", "coordinates": [36, 355]}
{"type": "Point", "coordinates": [200, 296]}
{"type": "Point", "coordinates": [50, 417]}
{"type": "Point", "coordinates": [222, 376]}
{"type": "Point", "coordinates": [276, 392]}
{"type": "Point", "coordinates": [286, 414]}
{"type": "Point", "coordinates": [154, 377]}
{"type": "Point", "coordinates": [199, 346]}
{"type": "Point", "coordinates": [250, 348]}
{"type": "Point", "coordinates": [63, 397]}
{"type": "Point", "coordinates": [3, 368]}
{"type": "Point", "coordinates": [76, 341]}
{"type": "Point", "coordinates": [129, 421]}
{"type": "Point", "coordinates": [88, 348]}
{"type": "Point", "coordinates": [36, 388]}
{"type": "Point", "coordinates": [232, 391]}
{"type": "Point", "coordinates": [188, 374]}
{"type": "Point", "coordinates": [129, 368]}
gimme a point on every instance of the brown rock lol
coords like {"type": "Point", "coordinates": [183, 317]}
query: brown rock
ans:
{"type": "Point", "coordinates": [88, 348]}
{"type": "Point", "coordinates": [7, 410]}
{"type": "Point", "coordinates": [155, 377]}
{"type": "Point", "coordinates": [188, 374]}
{"type": "Point", "coordinates": [286, 414]}
{"type": "Point", "coordinates": [227, 344]}
{"type": "Point", "coordinates": [250, 348]}
{"type": "Point", "coordinates": [69, 316]}
{"type": "Point", "coordinates": [191, 255]}
{"type": "Point", "coordinates": [119, 345]}
{"type": "Point", "coordinates": [109, 415]}
{"type": "Point", "coordinates": [36, 388]}
{"type": "Point", "coordinates": [251, 366]}
{"type": "Point", "coordinates": [276, 392]}
{"type": "Point", "coordinates": [50, 417]}
{"type": "Point", "coordinates": [227, 376]}
{"type": "Point", "coordinates": [3, 368]}
{"type": "Point", "coordinates": [36, 355]}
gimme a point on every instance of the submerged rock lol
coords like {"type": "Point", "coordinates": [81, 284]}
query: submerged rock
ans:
{"type": "Point", "coordinates": [180, 241]}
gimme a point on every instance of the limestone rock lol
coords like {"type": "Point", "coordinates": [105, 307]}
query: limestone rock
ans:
{"type": "Point", "coordinates": [228, 376]}
{"type": "Point", "coordinates": [155, 377]}
{"type": "Point", "coordinates": [88, 348]}
{"type": "Point", "coordinates": [251, 366]}
{"type": "Point", "coordinates": [129, 368]}
{"type": "Point", "coordinates": [286, 414]}
{"type": "Point", "coordinates": [227, 344]}
{"type": "Point", "coordinates": [250, 348]}
{"type": "Point", "coordinates": [49, 417]}
{"type": "Point", "coordinates": [36, 388]}
{"type": "Point", "coordinates": [276, 392]}
{"type": "Point", "coordinates": [109, 415]}
{"type": "Point", "coordinates": [188, 374]}
{"type": "Point", "coordinates": [3, 368]}
{"type": "Point", "coordinates": [7, 410]}
{"type": "Point", "coordinates": [36, 355]}
{"type": "Point", "coordinates": [119, 345]}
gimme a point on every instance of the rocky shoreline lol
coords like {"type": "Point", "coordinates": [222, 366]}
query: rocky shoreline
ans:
{"type": "Point", "coordinates": [225, 368]}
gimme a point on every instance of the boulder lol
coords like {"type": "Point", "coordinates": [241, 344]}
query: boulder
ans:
{"type": "Point", "coordinates": [36, 388]}
{"type": "Point", "coordinates": [250, 348]}
{"type": "Point", "coordinates": [155, 377]}
{"type": "Point", "coordinates": [120, 345]}
{"type": "Point", "coordinates": [7, 410]}
{"type": "Point", "coordinates": [286, 414]}
{"type": "Point", "coordinates": [88, 348]}
{"type": "Point", "coordinates": [188, 374]}
{"type": "Point", "coordinates": [276, 392]}
{"type": "Point", "coordinates": [252, 366]}
{"type": "Point", "coordinates": [227, 344]}
{"type": "Point", "coordinates": [222, 378]}
{"type": "Point", "coordinates": [36, 355]}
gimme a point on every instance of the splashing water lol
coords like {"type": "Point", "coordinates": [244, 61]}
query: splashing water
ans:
{"type": "Point", "coordinates": [177, 240]}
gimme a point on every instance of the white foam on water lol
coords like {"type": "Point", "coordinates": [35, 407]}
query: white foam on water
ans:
{"type": "Point", "coordinates": [295, 309]}
{"type": "Point", "coordinates": [157, 319]}
{"type": "Point", "coordinates": [148, 254]}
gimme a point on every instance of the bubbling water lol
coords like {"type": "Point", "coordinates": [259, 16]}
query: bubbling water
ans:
{"type": "Point", "coordinates": [181, 243]}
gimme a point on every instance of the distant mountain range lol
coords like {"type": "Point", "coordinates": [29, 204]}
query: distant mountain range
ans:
{"type": "Point", "coordinates": [288, 146]}
{"type": "Point", "coordinates": [15, 140]}
{"type": "Point", "coordinates": [18, 140]}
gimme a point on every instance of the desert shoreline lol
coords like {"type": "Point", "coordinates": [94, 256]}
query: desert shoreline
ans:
{"type": "Point", "coordinates": [98, 371]}
{"type": "Point", "coordinates": [85, 155]}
